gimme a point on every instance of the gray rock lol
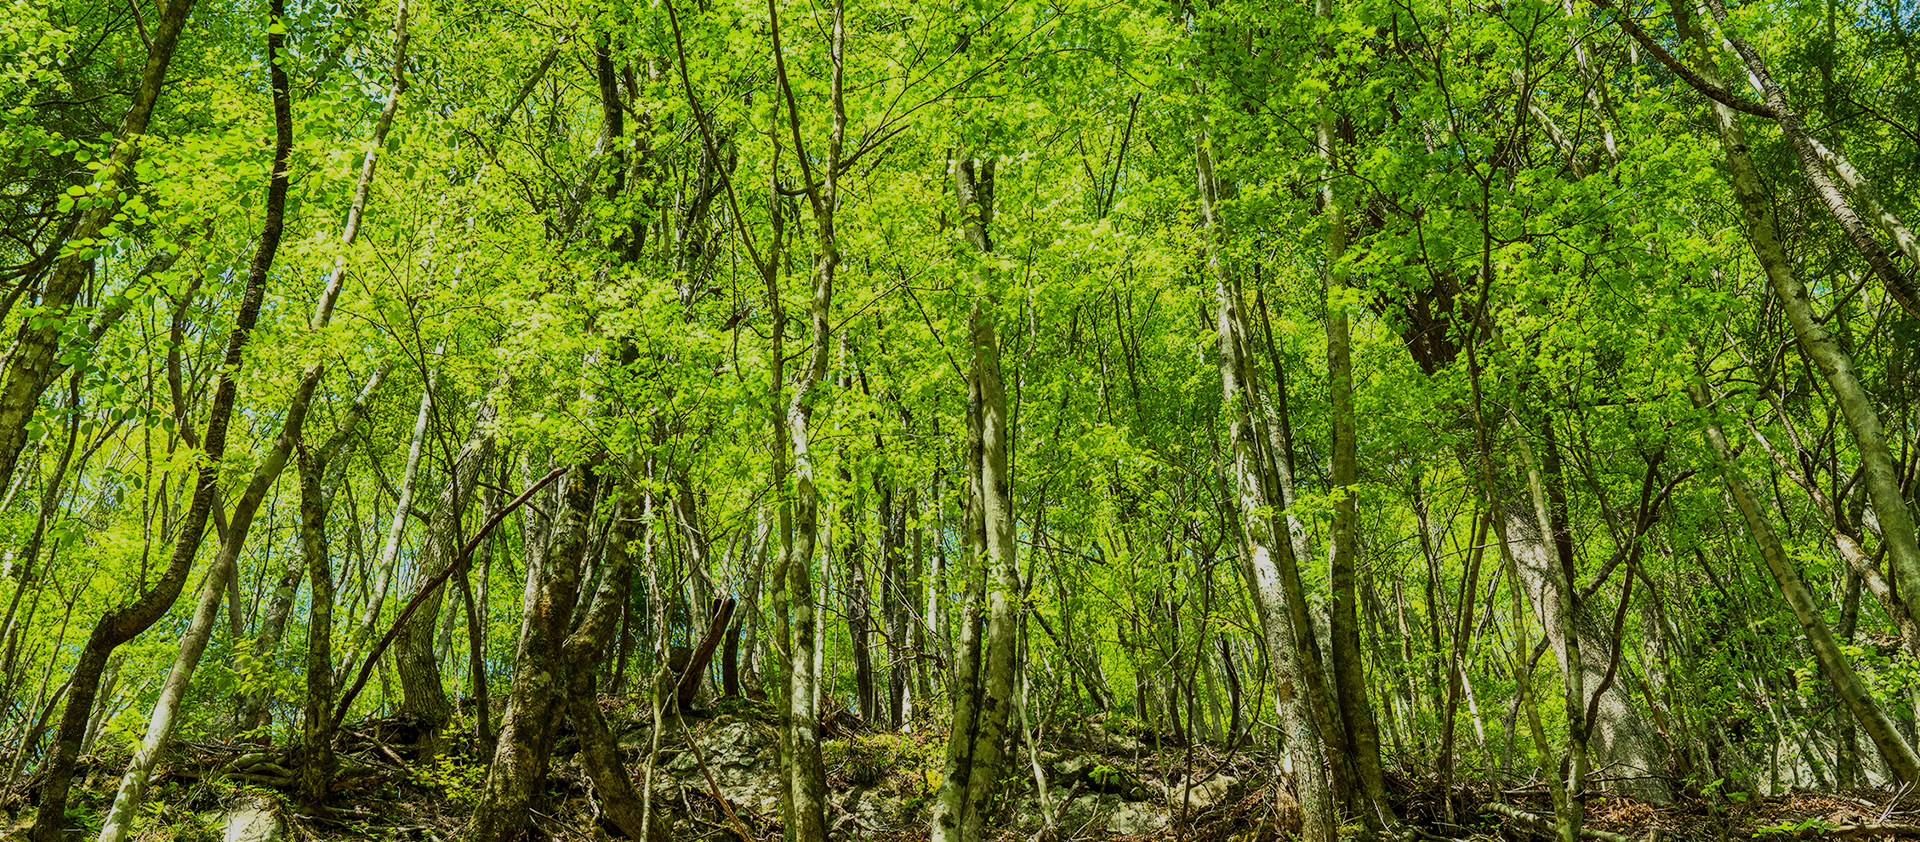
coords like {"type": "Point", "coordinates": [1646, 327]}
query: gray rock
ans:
{"type": "Point", "coordinates": [1082, 810]}
{"type": "Point", "coordinates": [253, 820]}
{"type": "Point", "coordinates": [739, 755]}
{"type": "Point", "coordinates": [1112, 742]}
{"type": "Point", "coordinates": [864, 811]}
{"type": "Point", "coordinates": [737, 744]}
{"type": "Point", "coordinates": [1202, 796]}
{"type": "Point", "coordinates": [1071, 769]}
{"type": "Point", "coordinates": [1136, 819]}
{"type": "Point", "coordinates": [1069, 817]}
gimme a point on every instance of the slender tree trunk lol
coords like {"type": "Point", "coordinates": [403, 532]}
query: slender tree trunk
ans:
{"type": "Point", "coordinates": [928, 620]}
{"type": "Point", "coordinates": [1895, 751]}
{"type": "Point", "coordinates": [805, 790]}
{"type": "Point", "coordinates": [582, 651]}
{"type": "Point", "coordinates": [272, 623]}
{"type": "Point", "coordinates": [896, 590]}
{"type": "Point", "coordinates": [423, 694]}
{"type": "Point", "coordinates": [1349, 671]}
{"type": "Point", "coordinates": [32, 364]}
{"type": "Point", "coordinates": [1457, 647]}
{"type": "Point", "coordinates": [858, 595]}
{"type": "Point", "coordinates": [127, 622]}
{"type": "Point", "coordinates": [109, 701]}
{"type": "Point", "coordinates": [317, 764]}
{"type": "Point", "coordinates": [750, 655]}
{"type": "Point", "coordinates": [1265, 544]}
{"type": "Point", "coordinates": [390, 549]}
{"type": "Point", "coordinates": [984, 683]}
{"type": "Point", "coordinates": [266, 644]}
{"type": "Point", "coordinates": [1846, 750]}
{"type": "Point", "coordinates": [1534, 532]}
{"type": "Point", "coordinates": [1879, 473]}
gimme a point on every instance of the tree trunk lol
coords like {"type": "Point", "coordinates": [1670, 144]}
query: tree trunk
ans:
{"type": "Point", "coordinates": [751, 649]}
{"type": "Point", "coordinates": [1358, 727]}
{"type": "Point", "coordinates": [390, 549]}
{"type": "Point", "coordinates": [1899, 756]}
{"type": "Point", "coordinates": [1560, 613]}
{"type": "Point", "coordinates": [32, 365]}
{"type": "Point", "coordinates": [423, 694]}
{"type": "Point", "coordinates": [127, 622]}
{"type": "Point", "coordinates": [1266, 545]}
{"type": "Point", "coordinates": [984, 682]}
{"type": "Point", "coordinates": [316, 760]}
{"type": "Point", "coordinates": [272, 625]}
{"type": "Point", "coordinates": [804, 801]}
{"type": "Point", "coordinates": [1620, 736]}
{"type": "Point", "coordinates": [855, 590]}
{"type": "Point", "coordinates": [896, 589]}
{"type": "Point", "coordinates": [534, 702]}
{"type": "Point", "coordinates": [1880, 474]}
{"type": "Point", "coordinates": [583, 649]}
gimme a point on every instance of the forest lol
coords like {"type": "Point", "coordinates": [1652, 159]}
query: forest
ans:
{"type": "Point", "coordinates": [1046, 420]}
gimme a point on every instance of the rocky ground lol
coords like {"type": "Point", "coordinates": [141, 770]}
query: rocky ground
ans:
{"type": "Point", "coordinates": [715, 775]}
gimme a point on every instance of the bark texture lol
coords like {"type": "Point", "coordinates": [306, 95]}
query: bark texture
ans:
{"type": "Point", "coordinates": [983, 689]}
{"type": "Point", "coordinates": [1879, 473]}
{"type": "Point", "coordinates": [32, 365]}
{"type": "Point", "coordinates": [534, 702]}
{"type": "Point", "coordinates": [1621, 738]}
{"type": "Point", "coordinates": [423, 694]}
{"type": "Point", "coordinates": [582, 652]}
{"type": "Point", "coordinates": [1266, 545]}
{"type": "Point", "coordinates": [1362, 734]}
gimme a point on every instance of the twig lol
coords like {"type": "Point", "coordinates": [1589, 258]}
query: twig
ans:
{"type": "Point", "coordinates": [739, 826]}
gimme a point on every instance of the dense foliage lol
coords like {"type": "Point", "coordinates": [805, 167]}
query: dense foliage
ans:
{"type": "Point", "coordinates": [1571, 375]}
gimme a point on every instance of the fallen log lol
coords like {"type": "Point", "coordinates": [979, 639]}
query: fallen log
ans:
{"type": "Point", "coordinates": [1545, 825]}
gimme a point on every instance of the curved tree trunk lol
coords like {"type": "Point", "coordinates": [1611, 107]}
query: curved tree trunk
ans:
{"type": "Point", "coordinates": [1895, 750]}
{"type": "Point", "coordinates": [125, 623]}
{"type": "Point", "coordinates": [599, 751]}
{"type": "Point", "coordinates": [32, 366]}
{"type": "Point", "coordinates": [1879, 473]}
{"type": "Point", "coordinates": [390, 548]}
{"type": "Point", "coordinates": [534, 702]}
{"type": "Point", "coordinates": [422, 692]}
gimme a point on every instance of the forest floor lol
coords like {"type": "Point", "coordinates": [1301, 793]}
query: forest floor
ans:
{"type": "Point", "coordinates": [1104, 783]}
